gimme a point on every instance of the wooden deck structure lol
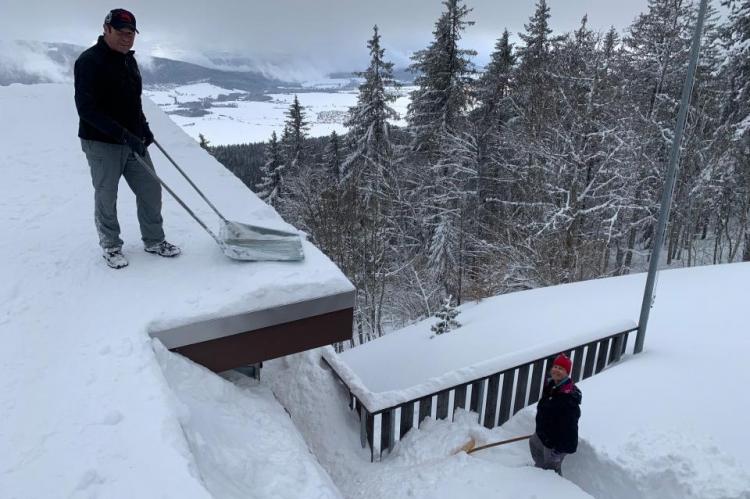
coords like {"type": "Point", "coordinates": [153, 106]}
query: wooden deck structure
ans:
{"type": "Point", "coordinates": [494, 398]}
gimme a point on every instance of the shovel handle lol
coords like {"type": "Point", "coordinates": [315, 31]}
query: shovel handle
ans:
{"type": "Point", "coordinates": [502, 442]}
{"type": "Point", "coordinates": [149, 169]}
{"type": "Point", "coordinates": [182, 172]}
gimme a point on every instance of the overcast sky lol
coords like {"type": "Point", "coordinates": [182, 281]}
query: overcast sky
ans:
{"type": "Point", "coordinates": [303, 35]}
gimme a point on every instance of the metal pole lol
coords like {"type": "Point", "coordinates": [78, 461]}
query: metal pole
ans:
{"type": "Point", "coordinates": [666, 197]}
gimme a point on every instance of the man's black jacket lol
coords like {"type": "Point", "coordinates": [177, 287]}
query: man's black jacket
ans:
{"type": "Point", "coordinates": [557, 416]}
{"type": "Point", "coordinates": [108, 95]}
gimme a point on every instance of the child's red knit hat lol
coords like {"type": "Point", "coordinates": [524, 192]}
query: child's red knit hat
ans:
{"type": "Point", "coordinates": [563, 361]}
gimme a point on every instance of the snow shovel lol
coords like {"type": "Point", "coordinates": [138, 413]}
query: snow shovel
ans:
{"type": "Point", "coordinates": [237, 240]}
{"type": "Point", "coordinates": [469, 447]}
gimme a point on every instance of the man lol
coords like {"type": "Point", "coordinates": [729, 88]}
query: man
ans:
{"type": "Point", "coordinates": [557, 416]}
{"type": "Point", "coordinates": [112, 130]}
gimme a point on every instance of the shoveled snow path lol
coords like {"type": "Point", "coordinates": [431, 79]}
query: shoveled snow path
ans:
{"type": "Point", "coordinates": [422, 467]}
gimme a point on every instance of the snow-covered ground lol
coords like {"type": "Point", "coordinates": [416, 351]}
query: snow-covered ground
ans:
{"type": "Point", "coordinates": [86, 410]}
{"type": "Point", "coordinates": [242, 121]}
{"type": "Point", "coordinates": [667, 423]}
{"type": "Point", "coordinates": [92, 408]}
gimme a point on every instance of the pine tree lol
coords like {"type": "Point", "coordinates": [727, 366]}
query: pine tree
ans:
{"type": "Point", "coordinates": [270, 186]}
{"type": "Point", "coordinates": [369, 179]}
{"type": "Point", "coordinates": [444, 147]}
{"type": "Point", "coordinates": [493, 87]}
{"type": "Point", "coordinates": [333, 158]}
{"type": "Point", "coordinates": [493, 110]}
{"type": "Point", "coordinates": [533, 74]}
{"type": "Point", "coordinates": [204, 143]}
{"type": "Point", "coordinates": [446, 318]}
{"type": "Point", "coordinates": [294, 137]}
{"type": "Point", "coordinates": [369, 129]}
{"type": "Point", "coordinates": [737, 110]}
{"type": "Point", "coordinates": [444, 73]}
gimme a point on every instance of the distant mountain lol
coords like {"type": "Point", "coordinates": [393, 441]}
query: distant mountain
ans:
{"type": "Point", "coordinates": [39, 62]}
{"type": "Point", "coordinates": [167, 71]}
{"type": "Point", "coordinates": [29, 63]}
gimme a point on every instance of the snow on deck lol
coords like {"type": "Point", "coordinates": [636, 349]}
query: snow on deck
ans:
{"type": "Point", "coordinates": [668, 423]}
{"type": "Point", "coordinates": [86, 410]}
{"type": "Point", "coordinates": [496, 333]}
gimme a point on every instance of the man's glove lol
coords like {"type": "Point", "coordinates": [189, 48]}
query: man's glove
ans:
{"type": "Point", "coordinates": [133, 143]}
{"type": "Point", "coordinates": [148, 137]}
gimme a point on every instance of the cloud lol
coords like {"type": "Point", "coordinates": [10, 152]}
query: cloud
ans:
{"type": "Point", "coordinates": [29, 61]}
{"type": "Point", "coordinates": [295, 36]}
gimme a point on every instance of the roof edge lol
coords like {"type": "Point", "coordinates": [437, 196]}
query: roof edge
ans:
{"type": "Point", "coordinates": [246, 322]}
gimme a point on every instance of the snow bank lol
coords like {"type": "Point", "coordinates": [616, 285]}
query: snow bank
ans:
{"type": "Point", "coordinates": [667, 423]}
{"type": "Point", "coordinates": [244, 443]}
{"type": "Point", "coordinates": [423, 464]}
{"type": "Point", "coordinates": [86, 409]}
{"type": "Point", "coordinates": [675, 417]}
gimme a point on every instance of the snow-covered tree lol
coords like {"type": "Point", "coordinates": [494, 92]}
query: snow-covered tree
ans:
{"type": "Point", "coordinates": [444, 72]}
{"type": "Point", "coordinates": [446, 318]}
{"type": "Point", "coordinates": [269, 188]}
{"type": "Point", "coordinates": [369, 128]}
{"type": "Point", "coordinates": [295, 134]}
{"type": "Point", "coordinates": [333, 158]}
{"type": "Point", "coordinates": [736, 37]}
{"type": "Point", "coordinates": [370, 179]}
{"type": "Point", "coordinates": [204, 143]}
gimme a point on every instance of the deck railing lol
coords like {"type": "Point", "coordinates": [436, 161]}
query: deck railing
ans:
{"type": "Point", "coordinates": [495, 398]}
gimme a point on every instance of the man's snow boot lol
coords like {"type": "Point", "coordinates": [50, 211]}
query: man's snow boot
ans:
{"type": "Point", "coordinates": [115, 258]}
{"type": "Point", "coordinates": [163, 249]}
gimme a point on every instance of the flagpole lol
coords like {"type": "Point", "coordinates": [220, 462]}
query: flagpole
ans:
{"type": "Point", "coordinates": [666, 197]}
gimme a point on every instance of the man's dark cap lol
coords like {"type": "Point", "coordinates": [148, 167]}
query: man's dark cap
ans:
{"type": "Point", "coordinates": [120, 18]}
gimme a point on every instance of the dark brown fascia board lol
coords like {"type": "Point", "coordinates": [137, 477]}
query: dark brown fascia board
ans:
{"type": "Point", "coordinates": [247, 322]}
{"type": "Point", "coordinates": [271, 342]}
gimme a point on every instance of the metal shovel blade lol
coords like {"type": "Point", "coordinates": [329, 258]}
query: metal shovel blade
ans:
{"type": "Point", "coordinates": [252, 243]}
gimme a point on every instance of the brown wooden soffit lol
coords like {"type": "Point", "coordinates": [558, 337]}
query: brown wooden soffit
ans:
{"type": "Point", "coordinates": [241, 349]}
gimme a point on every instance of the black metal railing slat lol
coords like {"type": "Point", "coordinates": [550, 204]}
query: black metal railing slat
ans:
{"type": "Point", "coordinates": [521, 385]}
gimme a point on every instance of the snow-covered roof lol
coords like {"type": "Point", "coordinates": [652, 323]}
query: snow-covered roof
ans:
{"type": "Point", "coordinates": [82, 397]}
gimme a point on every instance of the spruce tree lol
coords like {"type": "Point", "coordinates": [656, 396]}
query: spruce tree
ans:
{"type": "Point", "coordinates": [444, 72]}
{"type": "Point", "coordinates": [333, 158]}
{"type": "Point", "coordinates": [493, 87]}
{"type": "Point", "coordinates": [368, 123]}
{"type": "Point", "coordinates": [294, 138]}
{"type": "Point", "coordinates": [369, 179]}
{"type": "Point", "coordinates": [446, 318]}
{"type": "Point", "coordinates": [204, 143]}
{"type": "Point", "coordinates": [444, 148]}
{"type": "Point", "coordinates": [533, 75]}
{"type": "Point", "coordinates": [269, 187]}
{"type": "Point", "coordinates": [736, 36]}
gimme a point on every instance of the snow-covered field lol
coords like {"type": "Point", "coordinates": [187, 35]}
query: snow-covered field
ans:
{"type": "Point", "coordinates": [241, 121]}
{"type": "Point", "coordinates": [91, 408]}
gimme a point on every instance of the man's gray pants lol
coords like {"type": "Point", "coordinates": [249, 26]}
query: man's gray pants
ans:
{"type": "Point", "coordinates": [545, 457]}
{"type": "Point", "coordinates": [109, 162]}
